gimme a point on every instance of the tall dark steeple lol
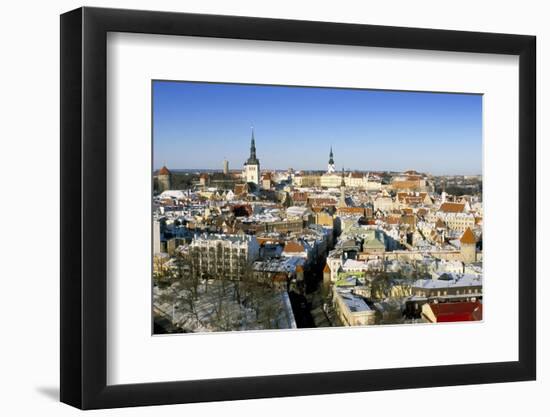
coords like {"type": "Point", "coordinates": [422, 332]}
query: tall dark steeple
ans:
{"type": "Point", "coordinates": [331, 168]}
{"type": "Point", "coordinates": [252, 160]}
{"type": "Point", "coordinates": [251, 170]}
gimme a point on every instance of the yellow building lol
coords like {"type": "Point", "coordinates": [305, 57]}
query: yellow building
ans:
{"type": "Point", "coordinates": [352, 309]}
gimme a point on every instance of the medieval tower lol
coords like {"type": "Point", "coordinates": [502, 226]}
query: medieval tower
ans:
{"type": "Point", "coordinates": [468, 247]}
{"type": "Point", "coordinates": [342, 202]}
{"type": "Point", "coordinates": [251, 171]}
{"type": "Point", "coordinates": [164, 179]}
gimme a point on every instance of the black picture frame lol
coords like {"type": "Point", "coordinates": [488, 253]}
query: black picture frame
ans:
{"type": "Point", "coordinates": [84, 207]}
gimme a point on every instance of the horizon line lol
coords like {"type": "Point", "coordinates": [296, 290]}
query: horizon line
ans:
{"type": "Point", "coordinates": [319, 170]}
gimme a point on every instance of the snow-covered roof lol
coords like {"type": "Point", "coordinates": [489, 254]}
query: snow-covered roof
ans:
{"type": "Point", "coordinates": [177, 194]}
{"type": "Point", "coordinates": [287, 264]}
{"type": "Point", "coordinates": [352, 264]}
{"type": "Point", "coordinates": [353, 302]}
{"type": "Point", "coordinates": [467, 280]}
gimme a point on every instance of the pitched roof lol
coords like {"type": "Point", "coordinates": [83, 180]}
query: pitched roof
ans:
{"type": "Point", "coordinates": [468, 237]}
{"type": "Point", "coordinates": [326, 268]}
{"type": "Point", "coordinates": [461, 311]}
{"type": "Point", "coordinates": [292, 247]}
{"type": "Point", "coordinates": [412, 197]}
{"type": "Point", "coordinates": [164, 171]}
{"type": "Point", "coordinates": [452, 207]}
{"type": "Point", "coordinates": [351, 210]}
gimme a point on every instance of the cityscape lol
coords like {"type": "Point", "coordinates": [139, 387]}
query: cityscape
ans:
{"type": "Point", "coordinates": [316, 244]}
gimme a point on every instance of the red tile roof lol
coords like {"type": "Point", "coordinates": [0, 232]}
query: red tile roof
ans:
{"type": "Point", "coordinates": [293, 247]}
{"type": "Point", "coordinates": [452, 207]}
{"type": "Point", "coordinates": [163, 171]}
{"type": "Point", "coordinates": [468, 237]}
{"type": "Point", "coordinates": [461, 311]}
{"type": "Point", "coordinates": [351, 210]}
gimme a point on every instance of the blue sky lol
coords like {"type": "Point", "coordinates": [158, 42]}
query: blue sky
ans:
{"type": "Point", "coordinates": [197, 125]}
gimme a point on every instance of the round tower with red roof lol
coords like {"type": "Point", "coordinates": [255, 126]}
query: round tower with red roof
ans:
{"type": "Point", "coordinates": [468, 246]}
{"type": "Point", "coordinates": [164, 178]}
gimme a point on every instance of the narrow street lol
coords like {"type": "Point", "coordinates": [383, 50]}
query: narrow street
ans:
{"type": "Point", "coordinates": [320, 318]}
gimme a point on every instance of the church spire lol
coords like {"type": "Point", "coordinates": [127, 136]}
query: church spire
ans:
{"type": "Point", "coordinates": [253, 160]}
{"type": "Point", "coordinates": [251, 171]}
{"type": "Point", "coordinates": [331, 167]}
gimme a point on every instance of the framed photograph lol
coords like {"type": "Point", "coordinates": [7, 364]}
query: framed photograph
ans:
{"type": "Point", "coordinates": [256, 208]}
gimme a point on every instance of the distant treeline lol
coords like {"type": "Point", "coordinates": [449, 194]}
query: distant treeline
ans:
{"type": "Point", "coordinates": [458, 190]}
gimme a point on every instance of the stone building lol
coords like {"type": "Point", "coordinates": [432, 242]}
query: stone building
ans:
{"type": "Point", "coordinates": [352, 309]}
{"type": "Point", "coordinates": [223, 256]}
{"type": "Point", "coordinates": [330, 180]}
{"type": "Point", "coordinates": [342, 201]}
{"type": "Point", "coordinates": [468, 246]}
{"type": "Point", "coordinates": [267, 181]}
{"type": "Point", "coordinates": [164, 179]}
{"type": "Point", "coordinates": [251, 170]}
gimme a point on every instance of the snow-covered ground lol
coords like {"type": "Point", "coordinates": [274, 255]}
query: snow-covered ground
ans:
{"type": "Point", "coordinates": [223, 306]}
